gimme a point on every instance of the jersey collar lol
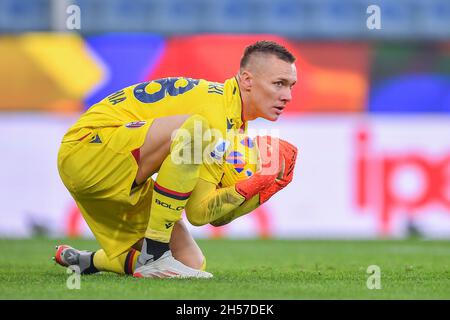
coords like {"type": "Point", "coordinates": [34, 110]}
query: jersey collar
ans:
{"type": "Point", "coordinates": [234, 105]}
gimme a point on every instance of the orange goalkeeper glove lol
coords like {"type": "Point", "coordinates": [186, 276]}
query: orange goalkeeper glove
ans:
{"type": "Point", "coordinates": [289, 153]}
{"type": "Point", "coordinates": [271, 160]}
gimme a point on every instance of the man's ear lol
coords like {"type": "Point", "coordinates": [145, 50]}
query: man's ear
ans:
{"type": "Point", "coordinates": [246, 79]}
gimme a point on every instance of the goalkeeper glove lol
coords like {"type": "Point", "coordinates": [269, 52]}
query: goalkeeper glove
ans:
{"type": "Point", "coordinates": [271, 160]}
{"type": "Point", "coordinates": [289, 153]}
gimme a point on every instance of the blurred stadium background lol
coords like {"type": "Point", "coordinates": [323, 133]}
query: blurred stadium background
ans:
{"type": "Point", "coordinates": [370, 113]}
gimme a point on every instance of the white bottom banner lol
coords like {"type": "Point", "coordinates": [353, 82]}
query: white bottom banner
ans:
{"type": "Point", "coordinates": [356, 177]}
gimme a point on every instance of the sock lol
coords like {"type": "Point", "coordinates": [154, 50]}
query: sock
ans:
{"type": "Point", "coordinates": [152, 250]}
{"type": "Point", "coordinates": [123, 264]}
{"type": "Point", "coordinates": [176, 179]}
{"type": "Point", "coordinates": [88, 260]}
{"type": "Point", "coordinates": [84, 260]}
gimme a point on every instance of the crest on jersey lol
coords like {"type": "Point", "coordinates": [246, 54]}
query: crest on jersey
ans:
{"type": "Point", "coordinates": [135, 124]}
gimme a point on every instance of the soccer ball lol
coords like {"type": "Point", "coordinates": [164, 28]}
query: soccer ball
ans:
{"type": "Point", "coordinates": [241, 160]}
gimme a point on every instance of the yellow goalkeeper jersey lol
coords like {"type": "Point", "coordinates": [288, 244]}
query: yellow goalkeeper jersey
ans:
{"type": "Point", "coordinates": [219, 103]}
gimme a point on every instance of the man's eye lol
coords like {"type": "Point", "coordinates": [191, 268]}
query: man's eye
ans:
{"type": "Point", "coordinates": [278, 83]}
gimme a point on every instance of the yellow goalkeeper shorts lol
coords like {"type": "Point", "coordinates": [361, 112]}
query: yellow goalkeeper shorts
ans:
{"type": "Point", "coordinates": [98, 167]}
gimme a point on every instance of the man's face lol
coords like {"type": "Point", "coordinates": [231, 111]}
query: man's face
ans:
{"type": "Point", "coordinates": [272, 80]}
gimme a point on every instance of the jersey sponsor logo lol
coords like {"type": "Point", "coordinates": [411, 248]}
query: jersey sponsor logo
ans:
{"type": "Point", "coordinates": [168, 205]}
{"type": "Point", "coordinates": [135, 124]}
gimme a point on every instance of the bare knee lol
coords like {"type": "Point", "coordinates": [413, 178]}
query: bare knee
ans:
{"type": "Point", "coordinates": [189, 139]}
{"type": "Point", "coordinates": [184, 248]}
{"type": "Point", "coordinates": [195, 261]}
{"type": "Point", "coordinates": [156, 146]}
{"type": "Point", "coordinates": [199, 263]}
{"type": "Point", "coordinates": [160, 135]}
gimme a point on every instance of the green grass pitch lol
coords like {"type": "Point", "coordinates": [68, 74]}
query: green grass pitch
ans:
{"type": "Point", "coordinates": [245, 269]}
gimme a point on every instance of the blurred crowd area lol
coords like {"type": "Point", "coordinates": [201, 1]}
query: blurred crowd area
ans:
{"type": "Point", "coordinates": [370, 112]}
{"type": "Point", "coordinates": [344, 66]}
{"type": "Point", "coordinates": [301, 19]}
{"type": "Point", "coordinates": [67, 72]}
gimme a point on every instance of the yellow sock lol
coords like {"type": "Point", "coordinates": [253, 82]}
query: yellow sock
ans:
{"type": "Point", "coordinates": [123, 264]}
{"type": "Point", "coordinates": [177, 178]}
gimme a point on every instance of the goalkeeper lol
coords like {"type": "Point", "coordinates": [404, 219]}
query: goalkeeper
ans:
{"type": "Point", "coordinates": [108, 157]}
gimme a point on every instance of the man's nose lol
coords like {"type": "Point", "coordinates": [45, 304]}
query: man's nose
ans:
{"type": "Point", "coordinates": [286, 95]}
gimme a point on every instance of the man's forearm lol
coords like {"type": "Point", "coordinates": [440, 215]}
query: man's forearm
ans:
{"type": "Point", "coordinates": [208, 204]}
{"type": "Point", "coordinates": [246, 207]}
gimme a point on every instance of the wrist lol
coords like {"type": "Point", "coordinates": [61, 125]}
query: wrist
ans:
{"type": "Point", "coordinates": [254, 185]}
